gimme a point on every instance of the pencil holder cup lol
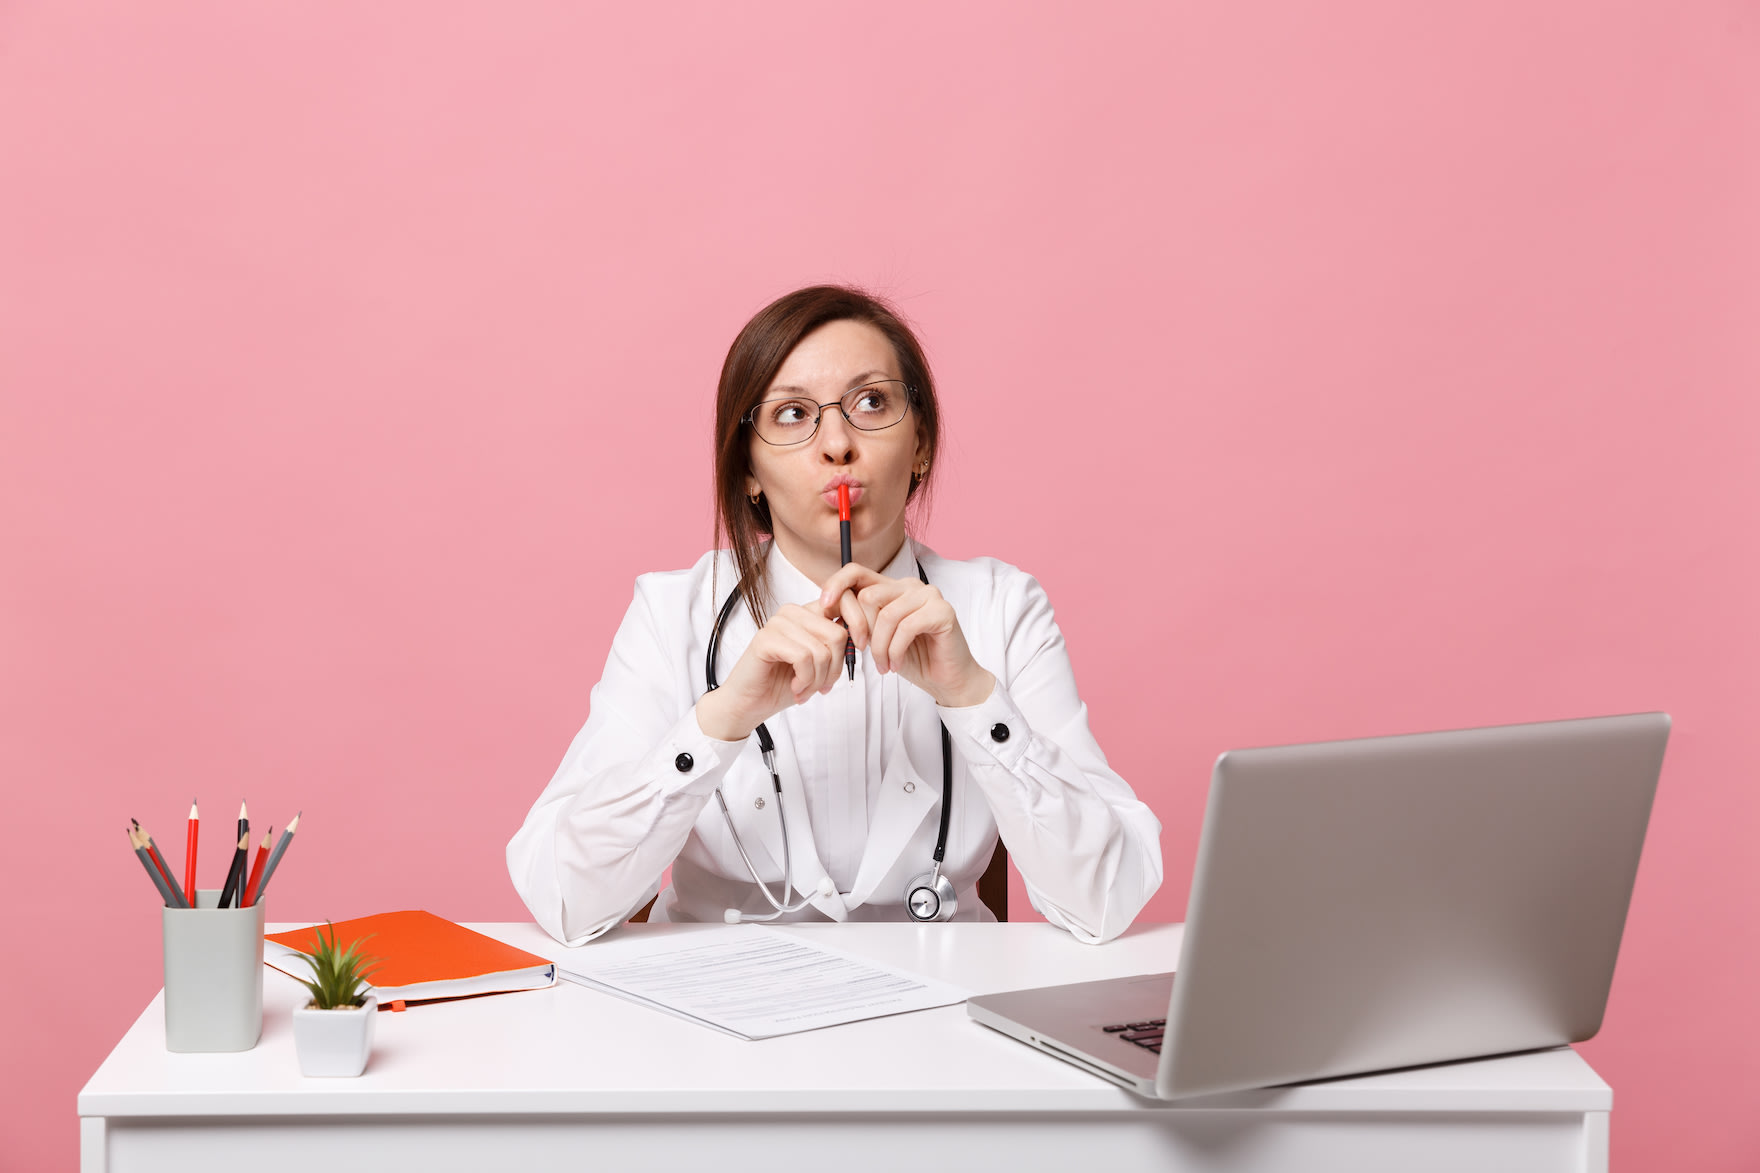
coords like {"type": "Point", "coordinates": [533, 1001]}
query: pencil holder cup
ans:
{"type": "Point", "coordinates": [213, 975]}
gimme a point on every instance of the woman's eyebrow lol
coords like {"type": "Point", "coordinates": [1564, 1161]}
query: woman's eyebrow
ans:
{"type": "Point", "coordinates": [855, 381]}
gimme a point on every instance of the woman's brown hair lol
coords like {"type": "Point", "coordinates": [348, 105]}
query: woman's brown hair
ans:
{"type": "Point", "coordinates": [751, 366]}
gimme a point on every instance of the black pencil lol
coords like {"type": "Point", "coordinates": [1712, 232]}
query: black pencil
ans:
{"type": "Point", "coordinates": [235, 874]}
{"type": "Point", "coordinates": [235, 883]}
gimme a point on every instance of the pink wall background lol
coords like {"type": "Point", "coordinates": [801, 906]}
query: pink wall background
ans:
{"type": "Point", "coordinates": [1340, 369]}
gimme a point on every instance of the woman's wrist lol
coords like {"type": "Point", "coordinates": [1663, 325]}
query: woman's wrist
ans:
{"type": "Point", "coordinates": [974, 690]}
{"type": "Point", "coordinates": [716, 722]}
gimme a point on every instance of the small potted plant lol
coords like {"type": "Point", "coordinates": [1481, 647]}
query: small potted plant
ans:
{"type": "Point", "coordinates": [333, 1033]}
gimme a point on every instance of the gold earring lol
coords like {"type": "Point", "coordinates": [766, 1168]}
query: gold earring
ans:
{"type": "Point", "coordinates": [753, 498]}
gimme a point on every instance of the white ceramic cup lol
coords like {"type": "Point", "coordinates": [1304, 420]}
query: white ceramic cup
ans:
{"type": "Point", "coordinates": [213, 975]}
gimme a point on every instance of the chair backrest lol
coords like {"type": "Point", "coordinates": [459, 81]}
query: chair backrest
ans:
{"type": "Point", "coordinates": [993, 884]}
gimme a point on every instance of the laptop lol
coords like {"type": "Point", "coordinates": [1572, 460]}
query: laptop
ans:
{"type": "Point", "coordinates": [1365, 905]}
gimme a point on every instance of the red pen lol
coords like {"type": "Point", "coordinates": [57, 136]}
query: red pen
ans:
{"type": "Point", "coordinates": [849, 643]}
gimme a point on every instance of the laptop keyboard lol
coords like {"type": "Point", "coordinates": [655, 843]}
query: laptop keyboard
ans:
{"type": "Point", "coordinates": [1146, 1035]}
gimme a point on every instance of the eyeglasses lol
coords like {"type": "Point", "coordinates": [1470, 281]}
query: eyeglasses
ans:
{"type": "Point", "coordinates": [868, 408]}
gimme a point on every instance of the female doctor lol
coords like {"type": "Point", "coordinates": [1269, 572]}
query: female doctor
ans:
{"type": "Point", "coordinates": [851, 785]}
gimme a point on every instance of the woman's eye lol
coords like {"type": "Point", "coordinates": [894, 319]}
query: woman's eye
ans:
{"type": "Point", "coordinates": [874, 401]}
{"type": "Point", "coordinates": [790, 413]}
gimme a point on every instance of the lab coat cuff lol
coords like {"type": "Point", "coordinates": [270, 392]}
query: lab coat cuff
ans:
{"type": "Point", "coordinates": [994, 727]}
{"type": "Point", "coordinates": [693, 762]}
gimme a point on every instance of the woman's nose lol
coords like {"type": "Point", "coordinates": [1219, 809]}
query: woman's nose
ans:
{"type": "Point", "coordinates": [836, 436]}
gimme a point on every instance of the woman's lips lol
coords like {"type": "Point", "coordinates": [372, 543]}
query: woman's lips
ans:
{"type": "Point", "coordinates": [829, 496]}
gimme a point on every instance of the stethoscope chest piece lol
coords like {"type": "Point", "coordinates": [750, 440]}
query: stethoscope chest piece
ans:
{"type": "Point", "coordinates": [930, 897]}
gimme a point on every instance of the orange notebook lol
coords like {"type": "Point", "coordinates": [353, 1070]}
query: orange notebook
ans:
{"type": "Point", "coordinates": [421, 957]}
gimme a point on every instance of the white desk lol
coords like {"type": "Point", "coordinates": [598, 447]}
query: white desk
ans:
{"type": "Point", "coordinates": [567, 1075]}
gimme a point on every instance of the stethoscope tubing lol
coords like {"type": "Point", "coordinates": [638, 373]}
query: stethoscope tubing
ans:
{"type": "Point", "coordinates": [767, 747]}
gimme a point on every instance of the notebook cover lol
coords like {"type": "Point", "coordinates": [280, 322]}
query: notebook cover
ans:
{"type": "Point", "coordinates": [416, 948]}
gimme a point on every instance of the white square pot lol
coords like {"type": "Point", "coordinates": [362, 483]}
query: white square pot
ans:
{"type": "Point", "coordinates": [334, 1042]}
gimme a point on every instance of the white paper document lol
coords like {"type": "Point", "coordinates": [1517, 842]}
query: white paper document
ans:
{"type": "Point", "coordinates": [751, 982]}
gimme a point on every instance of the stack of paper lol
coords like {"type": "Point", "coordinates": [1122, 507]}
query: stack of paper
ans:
{"type": "Point", "coordinates": [751, 982]}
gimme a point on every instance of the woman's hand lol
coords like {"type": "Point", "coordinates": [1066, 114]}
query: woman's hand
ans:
{"type": "Point", "coordinates": [798, 652]}
{"type": "Point", "coordinates": [908, 628]}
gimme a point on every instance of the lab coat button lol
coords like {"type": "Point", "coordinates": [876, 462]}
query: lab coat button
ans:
{"type": "Point", "coordinates": [910, 787]}
{"type": "Point", "coordinates": [999, 732]}
{"type": "Point", "coordinates": [684, 762]}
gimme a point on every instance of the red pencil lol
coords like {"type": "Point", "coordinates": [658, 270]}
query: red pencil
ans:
{"type": "Point", "coordinates": [189, 860]}
{"type": "Point", "coordinates": [250, 888]}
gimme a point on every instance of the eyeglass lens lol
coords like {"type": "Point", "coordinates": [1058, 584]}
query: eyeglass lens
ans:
{"type": "Point", "coordinates": [869, 407]}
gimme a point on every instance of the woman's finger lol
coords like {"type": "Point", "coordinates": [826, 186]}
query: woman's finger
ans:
{"type": "Point", "coordinates": [778, 650]}
{"type": "Point", "coordinates": [875, 598]}
{"type": "Point", "coordinates": [814, 627]}
{"type": "Point", "coordinates": [834, 662]}
{"type": "Point", "coordinates": [858, 587]}
{"type": "Point", "coordinates": [877, 594]}
{"type": "Point", "coordinates": [820, 666]}
{"type": "Point", "coordinates": [853, 577]}
{"type": "Point", "coordinates": [816, 636]}
{"type": "Point", "coordinates": [886, 622]}
{"type": "Point", "coordinates": [849, 606]}
{"type": "Point", "coordinates": [921, 621]}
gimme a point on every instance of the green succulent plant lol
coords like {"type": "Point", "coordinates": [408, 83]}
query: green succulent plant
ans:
{"type": "Point", "coordinates": [339, 976]}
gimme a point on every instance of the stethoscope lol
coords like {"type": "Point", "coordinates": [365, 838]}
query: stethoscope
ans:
{"type": "Point", "coordinates": [928, 897]}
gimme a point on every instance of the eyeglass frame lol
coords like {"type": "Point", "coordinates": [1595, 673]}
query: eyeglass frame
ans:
{"type": "Point", "coordinates": [910, 400]}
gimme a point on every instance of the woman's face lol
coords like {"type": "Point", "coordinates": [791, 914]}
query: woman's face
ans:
{"type": "Point", "coordinates": [800, 480]}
